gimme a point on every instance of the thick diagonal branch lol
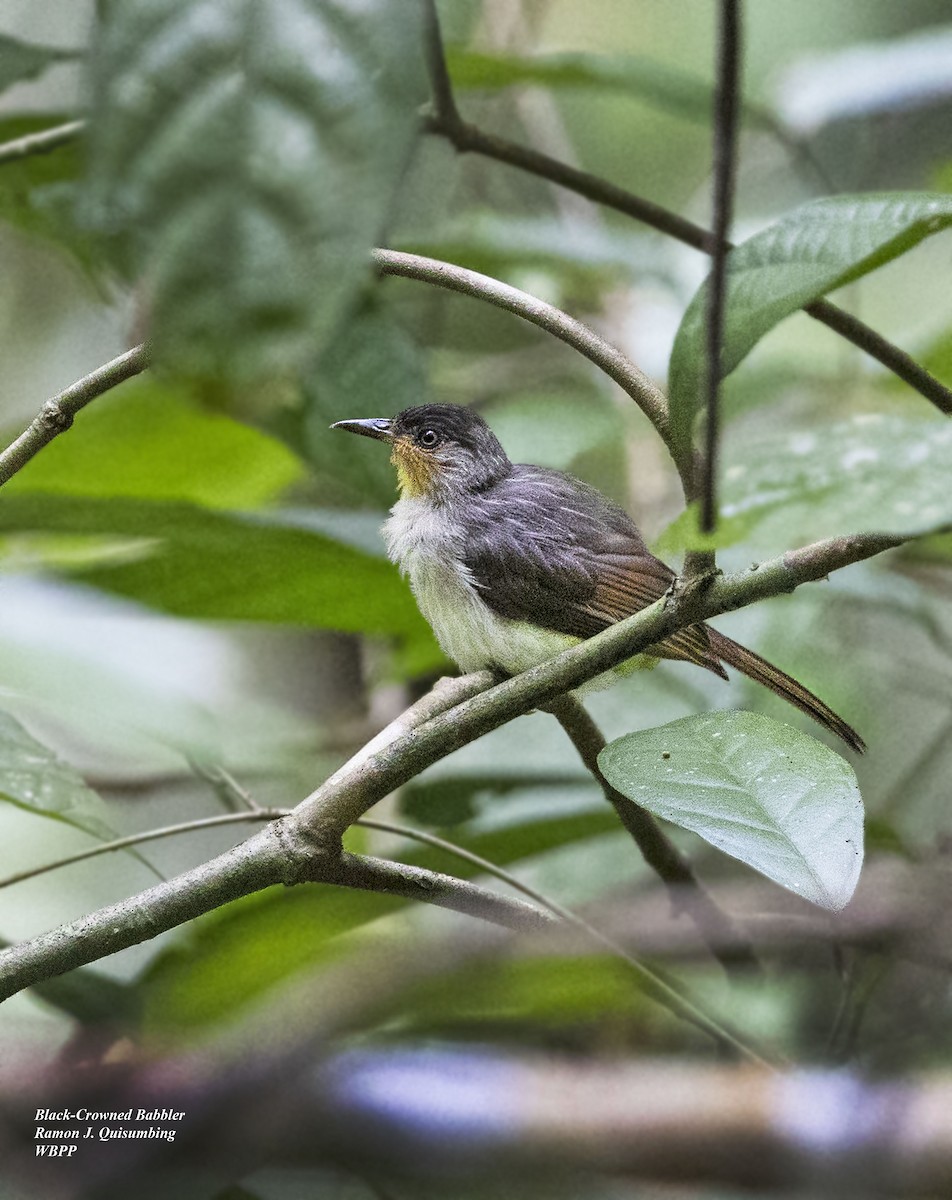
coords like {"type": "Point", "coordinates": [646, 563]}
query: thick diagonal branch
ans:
{"type": "Point", "coordinates": [307, 845]}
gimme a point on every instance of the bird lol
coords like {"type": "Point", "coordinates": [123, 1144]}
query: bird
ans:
{"type": "Point", "coordinates": [511, 563]}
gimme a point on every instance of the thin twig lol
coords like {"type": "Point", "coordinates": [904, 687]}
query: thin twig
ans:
{"type": "Point", "coordinates": [41, 142]}
{"type": "Point", "coordinates": [232, 795]}
{"type": "Point", "coordinates": [147, 835]}
{"type": "Point", "coordinates": [467, 138]}
{"type": "Point", "coordinates": [727, 942]}
{"type": "Point", "coordinates": [58, 412]}
{"type": "Point", "coordinates": [443, 100]}
{"type": "Point", "coordinates": [726, 106]}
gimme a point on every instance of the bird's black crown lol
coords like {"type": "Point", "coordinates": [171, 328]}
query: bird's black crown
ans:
{"type": "Point", "coordinates": [458, 438]}
{"type": "Point", "coordinates": [449, 422]}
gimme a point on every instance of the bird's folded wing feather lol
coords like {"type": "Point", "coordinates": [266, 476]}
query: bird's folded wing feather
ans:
{"type": "Point", "coordinates": [544, 548]}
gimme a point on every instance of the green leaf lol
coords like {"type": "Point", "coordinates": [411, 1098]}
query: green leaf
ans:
{"type": "Point", "coordinates": [656, 83]}
{"type": "Point", "coordinates": [875, 473]}
{"type": "Point", "coordinates": [25, 60]}
{"type": "Point", "coordinates": [38, 193]}
{"type": "Point", "coordinates": [253, 152]}
{"type": "Point", "coordinates": [759, 790]}
{"type": "Point", "coordinates": [811, 251]}
{"type": "Point", "coordinates": [34, 779]}
{"type": "Point", "coordinates": [152, 441]}
{"type": "Point", "coordinates": [373, 369]}
{"type": "Point", "coordinates": [309, 569]}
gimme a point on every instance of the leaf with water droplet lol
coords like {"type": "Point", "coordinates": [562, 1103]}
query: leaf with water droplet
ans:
{"type": "Point", "coordinates": [762, 791]}
{"type": "Point", "coordinates": [876, 472]}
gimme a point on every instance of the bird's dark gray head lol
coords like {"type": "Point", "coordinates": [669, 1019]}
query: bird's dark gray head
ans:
{"type": "Point", "coordinates": [439, 450]}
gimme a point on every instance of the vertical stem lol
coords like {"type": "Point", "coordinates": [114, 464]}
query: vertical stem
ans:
{"type": "Point", "coordinates": [726, 106]}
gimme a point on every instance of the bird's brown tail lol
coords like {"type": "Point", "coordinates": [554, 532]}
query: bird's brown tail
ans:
{"type": "Point", "coordinates": [758, 669]}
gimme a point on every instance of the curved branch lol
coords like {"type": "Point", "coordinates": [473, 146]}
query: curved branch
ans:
{"type": "Point", "coordinates": [645, 393]}
{"type": "Point", "coordinates": [306, 845]}
{"type": "Point", "coordinates": [57, 414]}
{"type": "Point", "coordinates": [433, 887]}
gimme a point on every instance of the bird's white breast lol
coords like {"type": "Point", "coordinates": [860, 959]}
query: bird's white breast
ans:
{"type": "Point", "coordinates": [426, 542]}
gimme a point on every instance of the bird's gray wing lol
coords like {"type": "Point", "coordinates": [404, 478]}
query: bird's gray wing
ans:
{"type": "Point", "coordinates": [542, 547]}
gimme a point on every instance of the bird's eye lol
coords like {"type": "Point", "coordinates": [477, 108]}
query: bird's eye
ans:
{"type": "Point", "coordinates": [429, 438]}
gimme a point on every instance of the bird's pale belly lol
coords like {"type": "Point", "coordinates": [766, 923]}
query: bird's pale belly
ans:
{"type": "Point", "coordinates": [470, 632]}
{"type": "Point", "coordinates": [425, 546]}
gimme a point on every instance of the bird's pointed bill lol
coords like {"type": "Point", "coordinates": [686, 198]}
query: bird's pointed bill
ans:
{"type": "Point", "coordinates": [373, 427]}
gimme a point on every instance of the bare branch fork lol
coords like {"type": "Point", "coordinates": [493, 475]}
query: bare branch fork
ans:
{"type": "Point", "coordinates": [306, 846]}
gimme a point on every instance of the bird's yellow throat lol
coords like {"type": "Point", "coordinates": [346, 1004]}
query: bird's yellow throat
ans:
{"type": "Point", "coordinates": [415, 469]}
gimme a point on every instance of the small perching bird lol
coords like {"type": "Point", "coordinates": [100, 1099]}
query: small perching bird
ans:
{"type": "Point", "coordinates": [512, 563]}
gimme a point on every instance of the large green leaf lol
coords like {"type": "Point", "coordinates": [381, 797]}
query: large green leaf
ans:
{"type": "Point", "coordinates": [34, 779]}
{"type": "Point", "coordinates": [252, 151]}
{"type": "Point", "coordinates": [809, 252]}
{"type": "Point", "coordinates": [879, 473]}
{"type": "Point", "coordinates": [21, 60]}
{"type": "Point", "coordinates": [759, 790]}
{"type": "Point", "coordinates": [152, 441]}
{"type": "Point", "coordinates": [309, 569]}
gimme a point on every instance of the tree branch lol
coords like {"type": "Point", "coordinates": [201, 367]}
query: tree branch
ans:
{"type": "Point", "coordinates": [645, 393]}
{"type": "Point", "coordinates": [306, 845]}
{"type": "Point", "coordinates": [57, 414]}
{"type": "Point", "coordinates": [41, 142]}
{"type": "Point", "coordinates": [432, 887]}
{"type": "Point", "coordinates": [468, 138]}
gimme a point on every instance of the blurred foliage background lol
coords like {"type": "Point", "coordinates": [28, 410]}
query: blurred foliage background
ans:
{"type": "Point", "coordinates": [192, 578]}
